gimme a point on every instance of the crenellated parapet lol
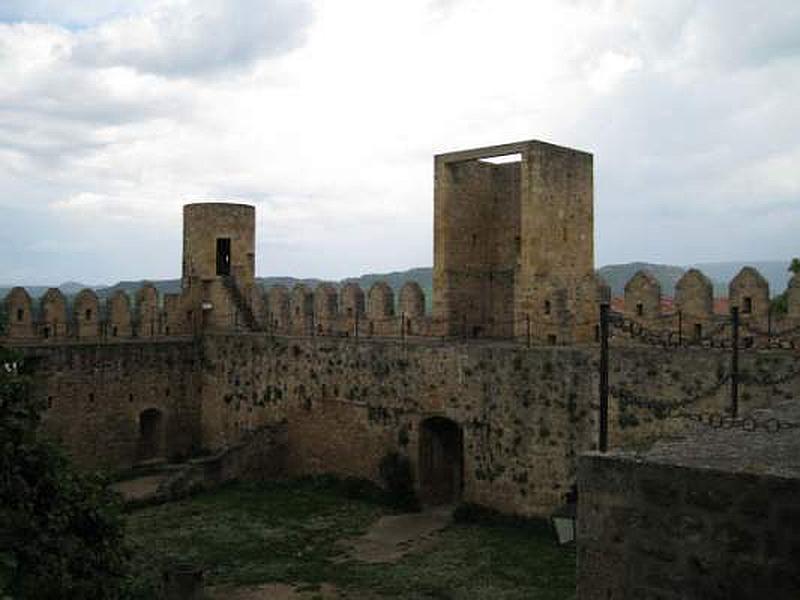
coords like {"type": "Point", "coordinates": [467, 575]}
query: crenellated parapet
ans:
{"type": "Point", "coordinates": [302, 310]}
{"type": "Point", "coordinates": [278, 310]}
{"type": "Point", "coordinates": [693, 317]}
{"type": "Point", "coordinates": [118, 314]}
{"type": "Point", "coordinates": [147, 321]}
{"type": "Point", "coordinates": [643, 297]}
{"type": "Point", "coordinates": [326, 308]}
{"type": "Point", "coordinates": [347, 311]}
{"type": "Point", "coordinates": [749, 291]}
{"type": "Point", "coordinates": [19, 311]}
{"type": "Point", "coordinates": [53, 314]}
{"type": "Point", "coordinates": [86, 317]}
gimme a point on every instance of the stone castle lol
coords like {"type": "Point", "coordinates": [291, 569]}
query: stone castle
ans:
{"type": "Point", "coordinates": [492, 397]}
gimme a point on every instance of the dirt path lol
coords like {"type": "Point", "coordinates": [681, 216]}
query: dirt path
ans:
{"type": "Point", "coordinates": [387, 540]}
{"type": "Point", "coordinates": [390, 538]}
{"type": "Point", "coordinates": [272, 591]}
{"type": "Point", "coordinates": [141, 488]}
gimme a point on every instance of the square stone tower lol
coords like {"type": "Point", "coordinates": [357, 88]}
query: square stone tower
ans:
{"type": "Point", "coordinates": [514, 243]}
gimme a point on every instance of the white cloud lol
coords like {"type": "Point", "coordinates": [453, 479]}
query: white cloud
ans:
{"type": "Point", "coordinates": [190, 37]}
{"type": "Point", "coordinates": [327, 117]}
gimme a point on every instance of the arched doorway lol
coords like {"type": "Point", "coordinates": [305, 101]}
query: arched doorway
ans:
{"type": "Point", "coordinates": [150, 434]}
{"type": "Point", "coordinates": [441, 461]}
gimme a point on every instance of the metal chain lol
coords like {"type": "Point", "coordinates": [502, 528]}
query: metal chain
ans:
{"type": "Point", "coordinates": [628, 398]}
{"type": "Point", "coordinates": [749, 424]}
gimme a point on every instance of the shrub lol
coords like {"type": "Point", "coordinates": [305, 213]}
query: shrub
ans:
{"type": "Point", "coordinates": [398, 480]}
{"type": "Point", "coordinates": [60, 531]}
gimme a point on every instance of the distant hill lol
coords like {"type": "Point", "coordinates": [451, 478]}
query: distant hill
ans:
{"type": "Point", "coordinates": [396, 279]}
{"type": "Point", "coordinates": [616, 276]}
{"type": "Point", "coordinates": [720, 273]}
{"type": "Point", "coordinates": [69, 288]}
{"type": "Point", "coordinates": [164, 286]}
{"type": "Point", "coordinates": [776, 273]}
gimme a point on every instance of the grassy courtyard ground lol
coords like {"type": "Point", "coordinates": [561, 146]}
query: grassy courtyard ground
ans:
{"type": "Point", "coordinates": [292, 532]}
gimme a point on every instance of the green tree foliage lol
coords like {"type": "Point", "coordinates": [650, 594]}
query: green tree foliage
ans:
{"type": "Point", "coordinates": [780, 303]}
{"type": "Point", "coordinates": [3, 318]}
{"type": "Point", "coordinates": [60, 531]}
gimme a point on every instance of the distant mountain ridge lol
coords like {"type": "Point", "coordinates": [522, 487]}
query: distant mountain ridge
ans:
{"type": "Point", "coordinates": [720, 273]}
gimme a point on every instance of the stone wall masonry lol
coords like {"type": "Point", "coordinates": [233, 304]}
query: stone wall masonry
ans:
{"type": "Point", "coordinates": [651, 388]}
{"type": "Point", "coordinates": [651, 531]}
{"type": "Point", "coordinates": [525, 413]}
{"type": "Point", "coordinates": [709, 516]}
{"type": "Point", "coordinates": [95, 395]}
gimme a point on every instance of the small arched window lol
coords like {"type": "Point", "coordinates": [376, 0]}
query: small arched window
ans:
{"type": "Point", "coordinates": [88, 314]}
{"type": "Point", "coordinates": [20, 314]}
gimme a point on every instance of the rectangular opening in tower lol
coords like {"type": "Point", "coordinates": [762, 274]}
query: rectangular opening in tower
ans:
{"type": "Point", "coordinates": [223, 256]}
{"type": "Point", "coordinates": [502, 159]}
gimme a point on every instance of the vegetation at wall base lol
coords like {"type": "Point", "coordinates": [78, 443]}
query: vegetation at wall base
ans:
{"type": "Point", "coordinates": [61, 533]}
{"type": "Point", "coordinates": [398, 480]}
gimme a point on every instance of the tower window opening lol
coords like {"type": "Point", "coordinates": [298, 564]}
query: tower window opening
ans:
{"type": "Point", "coordinates": [20, 314]}
{"type": "Point", "coordinates": [223, 256]}
{"type": "Point", "coordinates": [547, 307]}
{"type": "Point", "coordinates": [639, 309]}
{"type": "Point", "coordinates": [88, 314]}
{"type": "Point", "coordinates": [747, 307]}
{"type": "Point", "coordinates": [502, 159]}
{"type": "Point", "coordinates": [698, 331]}
{"type": "Point", "coordinates": [114, 331]}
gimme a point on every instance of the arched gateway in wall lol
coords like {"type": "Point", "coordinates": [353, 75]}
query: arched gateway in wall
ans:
{"type": "Point", "coordinates": [151, 434]}
{"type": "Point", "coordinates": [441, 461]}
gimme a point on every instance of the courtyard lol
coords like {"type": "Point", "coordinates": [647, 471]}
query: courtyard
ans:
{"type": "Point", "coordinates": [325, 539]}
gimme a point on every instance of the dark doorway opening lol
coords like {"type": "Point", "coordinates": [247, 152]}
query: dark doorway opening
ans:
{"type": "Point", "coordinates": [441, 461]}
{"type": "Point", "coordinates": [223, 256]}
{"type": "Point", "coordinates": [150, 434]}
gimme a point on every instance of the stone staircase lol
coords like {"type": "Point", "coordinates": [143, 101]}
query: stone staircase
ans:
{"type": "Point", "coordinates": [242, 304]}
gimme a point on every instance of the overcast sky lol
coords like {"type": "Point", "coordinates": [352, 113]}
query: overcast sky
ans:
{"type": "Point", "coordinates": [326, 114]}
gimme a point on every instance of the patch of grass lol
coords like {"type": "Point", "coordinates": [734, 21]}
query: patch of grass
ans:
{"type": "Point", "coordinates": [287, 532]}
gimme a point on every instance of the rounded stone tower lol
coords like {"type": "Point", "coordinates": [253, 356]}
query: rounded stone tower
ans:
{"type": "Point", "coordinates": [219, 240]}
{"type": "Point", "coordinates": [218, 280]}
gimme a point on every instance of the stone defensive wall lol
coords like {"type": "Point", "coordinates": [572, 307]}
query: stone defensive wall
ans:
{"type": "Point", "coordinates": [348, 311]}
{"type": "Point", "coordinates": [116, 405]}
{"type": "Point", "coordinates": [508, 420]}
{"type": "Point", "coordinates": [692, 317]}
{"type": "Point", "coordinates": [711, 514]}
